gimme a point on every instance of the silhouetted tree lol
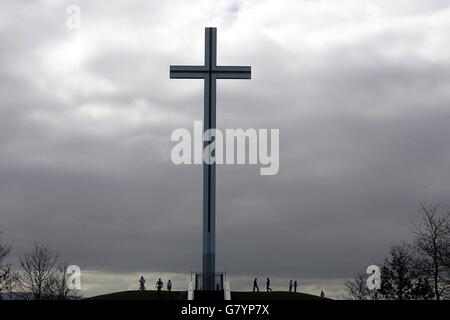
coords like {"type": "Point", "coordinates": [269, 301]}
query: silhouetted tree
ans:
{"type": "Point", "coordinates": [7, 277]}
{"type": "Point", "coordinates": [422, 289]}
{"type": "Point", "coordinates": [401, 277]}
{"type": "Point", "coordinates": [432, 241]}
{"type": "Point", "coordinates": [38, 275]}
{"type": "Point", "coordinates": [38, 272]}
{"type": "Point", "coordinates": [42, 278]}
{"type": "Point", "coordinates": [5, 249]}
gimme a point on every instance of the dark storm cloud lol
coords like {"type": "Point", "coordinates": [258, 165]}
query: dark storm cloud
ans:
{"type": "Point", "coordinates": [359, 91]}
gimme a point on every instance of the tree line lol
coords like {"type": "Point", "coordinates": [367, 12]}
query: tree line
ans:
{"type": "Point", "coordinates": [41, 276]}
{"type": "Point", "coordinates": [419, 270]}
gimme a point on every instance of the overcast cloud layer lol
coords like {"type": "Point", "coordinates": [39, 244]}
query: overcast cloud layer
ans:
{"type": "Point", "coordinates": [360, 91]}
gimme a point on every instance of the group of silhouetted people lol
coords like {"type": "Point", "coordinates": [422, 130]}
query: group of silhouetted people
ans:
{"type": "Point", "coordinates": [159, 284]}
{"type": "Point", "coordinates": [255, 285]}
{"type": "Point", "coordinates": [292, 285]}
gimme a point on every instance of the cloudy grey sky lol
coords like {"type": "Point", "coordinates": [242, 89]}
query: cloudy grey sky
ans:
{"type": "Point", "coordinates": [360, 91]}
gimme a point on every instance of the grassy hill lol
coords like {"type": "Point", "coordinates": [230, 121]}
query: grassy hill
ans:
{"type": "Point", "coordinates": [142, 295]}
{"type": "Point", "coordinates": [274, 295]}
{"type": "Point", "coordinates": [182, 295]}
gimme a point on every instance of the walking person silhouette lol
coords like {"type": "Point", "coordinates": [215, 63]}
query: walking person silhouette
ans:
{"type": "Point", "coordinates": [295, 286]}
{"type": "Point", "coordinates": [268, 285]}
{"type": "Point", "coordinates": [290, 285]}
{"type": "Point", "coordinates": [142, 283]}
{"type": "Point", "coordinates": [255, 285]}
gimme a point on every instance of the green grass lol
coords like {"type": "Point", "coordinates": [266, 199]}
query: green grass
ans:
{"type": "Point", "coordinates": [182, 295]}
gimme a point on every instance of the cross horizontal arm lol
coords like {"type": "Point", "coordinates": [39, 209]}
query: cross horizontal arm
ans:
{"type": "Point", "coordinates": [233, 72]}
{"type": "Point", "coordinates": [187, 72]}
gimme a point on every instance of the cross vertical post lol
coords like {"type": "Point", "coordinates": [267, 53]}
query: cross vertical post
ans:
{"type": "Point", "coordinates": [209, 72]}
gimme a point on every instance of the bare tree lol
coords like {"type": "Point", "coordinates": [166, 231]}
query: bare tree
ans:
{"type": "Point", "coordinates": [5, 249]}
{"type": "Point", "coordinates": [7, 277]}
{"type": "Point", "coordinates": [42, 277]}
{"type": "Point", "coordinates": [38, 273]}
{"type": "Point", "coordinates": [357, 288]}
{"type": "Point", "coordinates": [432, 241]}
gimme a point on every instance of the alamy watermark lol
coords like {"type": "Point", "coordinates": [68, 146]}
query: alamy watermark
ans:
{"type": "Point", "coordinates": [73, 280]}
{"type": "Point", "coordinates": [73, 21]}
{"type": "Point", "coordinates": [235, 146]}
{"type": "Point", "coordinates": [374, 280]}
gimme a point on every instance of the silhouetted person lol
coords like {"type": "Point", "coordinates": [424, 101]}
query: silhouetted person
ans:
{"type": "Point", "coordinates": [268, 285]}
{"type": "Point", "coordinates": [322, 294]}
{"type": "Point", "coordinates": [169, 285]}
{"type": "Point", "coordinates": [290, 285]}
{"type": "Point", "coordinates": [142, 283]}
{"type": "Point", "coordinates": [159, 285]}
{"type": "Point", "coordinates": [255, 285]}
{"type": "Point", "coordinates": [295, 286]}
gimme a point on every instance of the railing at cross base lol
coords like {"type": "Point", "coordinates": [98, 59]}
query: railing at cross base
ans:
{"type": "Point", "coordinates": [218, 280]}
